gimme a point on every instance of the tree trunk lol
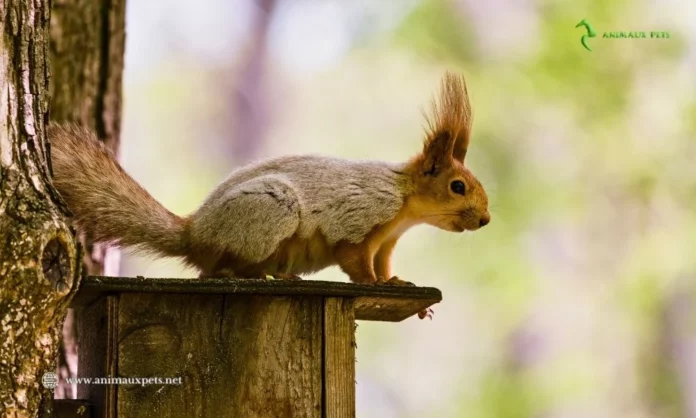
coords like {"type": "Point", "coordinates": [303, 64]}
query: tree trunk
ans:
{"type": "Point", "coordinates": [87, 49]}
{"type": "Point", "coordinates": [39, 271]}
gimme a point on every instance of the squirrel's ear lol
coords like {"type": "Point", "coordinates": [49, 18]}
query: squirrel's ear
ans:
{"type": "Point", "coordinates": [450, 117]}
{"type": "Point", "coordinates": [437, 153]}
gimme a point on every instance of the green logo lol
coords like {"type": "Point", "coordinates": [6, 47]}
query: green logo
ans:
{"type": "Point", "coordinates": [590, 33]}
{"type": "Point", "coordinates": [618, 35]}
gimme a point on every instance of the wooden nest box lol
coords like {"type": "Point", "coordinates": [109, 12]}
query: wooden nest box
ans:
{"type": "Point", "coordinates": [243, 348]}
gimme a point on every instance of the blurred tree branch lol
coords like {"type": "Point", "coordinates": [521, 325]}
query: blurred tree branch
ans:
{"type": "Point", "coordinates": [250, 101]}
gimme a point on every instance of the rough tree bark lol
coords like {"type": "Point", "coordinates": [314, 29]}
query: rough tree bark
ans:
{"type": "Point", "coordinates": [39, 272]}
{"type": "Point", "coordinates": [87, 49]}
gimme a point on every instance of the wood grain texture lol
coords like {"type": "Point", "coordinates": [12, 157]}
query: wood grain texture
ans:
{"type": "Point", "coordinates": [339, 358]}
{"type": "Point", "coordinates": [97, 339]}
{"type": "Point", "coordinates": [381, 303]}
{"type": "Point", "coordinates": [247, 356]}
{"type": "Point", "coordinates": [390, 309]}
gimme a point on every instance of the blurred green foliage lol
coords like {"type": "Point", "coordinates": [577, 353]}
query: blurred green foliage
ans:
{"type": "Point", "coordinates": [571, 302]}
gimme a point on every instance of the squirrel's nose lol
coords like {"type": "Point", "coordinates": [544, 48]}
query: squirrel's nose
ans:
{"type": "Point", "coordinates": [484, 220]}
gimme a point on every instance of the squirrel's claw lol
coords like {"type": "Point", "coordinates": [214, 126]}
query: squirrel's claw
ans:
{"type": "Point", "coordinates": [394, 281]}
{"type": "Point", "coordinates": [426, 313]}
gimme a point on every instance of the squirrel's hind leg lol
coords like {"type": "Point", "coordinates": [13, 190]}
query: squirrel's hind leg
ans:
{"type": "Point", "coordinates": [356, 260]}
{"type": "Point", "coordinates": [237, 274]}
{"type": "Point", "coordinates": [228, 266]}
{"type": "Point", "coordinates": [285, 276]}
{"type": "Point", "coordinates": [247, 223]}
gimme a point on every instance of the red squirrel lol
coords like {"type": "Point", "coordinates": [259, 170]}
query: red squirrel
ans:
{"type": "Point", "coordinates": [286, 216]}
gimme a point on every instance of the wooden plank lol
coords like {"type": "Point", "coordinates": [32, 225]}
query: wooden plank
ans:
{"type": "Point", "coordinates": [339, 358]}
{"type": "Point", "coordinates": [238, 356]}
{"type": "Point", "coordinates": [96, 339]}
{"type": "Point", "coordinates": [72, 408]}
{"type": "Point", "coordinates": [383, 303]}
{"type": "Point", "coordinates": [389, 309]}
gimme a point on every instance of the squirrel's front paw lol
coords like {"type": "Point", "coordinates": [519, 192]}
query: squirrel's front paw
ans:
{"type": "Point", "coordinates": [394, 281]}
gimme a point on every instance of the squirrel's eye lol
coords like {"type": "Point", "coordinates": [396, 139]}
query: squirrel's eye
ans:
{"type": "Point", "coordinates": [458, 187]}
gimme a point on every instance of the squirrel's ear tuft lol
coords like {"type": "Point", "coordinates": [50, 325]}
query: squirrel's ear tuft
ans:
{"type": "Point", "coordinates": [450, 117]}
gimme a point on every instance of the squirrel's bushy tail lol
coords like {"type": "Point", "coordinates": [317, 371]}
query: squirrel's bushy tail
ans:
{"type": "Point", "coordinates": [107, 204]}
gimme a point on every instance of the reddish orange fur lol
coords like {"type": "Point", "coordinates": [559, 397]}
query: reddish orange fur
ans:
{"type": "Point", "coordinates": [429, 198]}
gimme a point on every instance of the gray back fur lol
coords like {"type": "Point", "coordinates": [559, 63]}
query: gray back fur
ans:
{"type": "Point", "coordinates": [342, 199]}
